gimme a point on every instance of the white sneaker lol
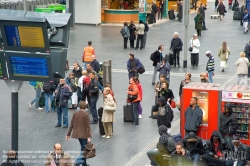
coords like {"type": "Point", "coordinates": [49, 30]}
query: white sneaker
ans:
{"type": "Point", "coordinates": [39, 108]}
{"type": "Point", "coordinates": [108, 137]}
{"type": "Point", "coordinates": [30, 104]}
{"type": "Point", "coordinates": [140, 116]}
{"type": "Point", "coordinates": [104, 136]}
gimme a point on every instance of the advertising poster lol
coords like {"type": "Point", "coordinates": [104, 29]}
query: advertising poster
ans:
{"type": "Point", "coordinates": [141, 6]}
{"type": "Point", "coordinates": [203, 103]}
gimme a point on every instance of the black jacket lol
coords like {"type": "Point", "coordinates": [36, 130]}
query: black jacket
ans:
{"type": "Point", "coordinates": [154, 9]}
{"type": "Point", "coordinates": [228, 123]}
{"type": "Point", "coordinates": [176, 44]}
{"type": "Point", "coordinates": [222, 144]}
{"type": "Point", "coordinates": [157, 58]}
{"type": "Point", "coordinates": [95, 65]}
{"type": "Point", "coordinates": [242, 153]}
{"type": "Point", "coordinates": [221, 8]}
{"type": "Point", "coordinates": [193, 118]}
{"type": "Point", "coordinates": [93, 88]}
{"type": "Point", "coordinates": [132, 30]}
{"type": "Point", "coordinates": [77, 73]}
{"type": "Point", "coordinates": [247, 50]}
{"type": "Point", "coordinates": [52, 88]}
{"type": "Point", "coordinates": [185, 160]}
{"type": "Point", "coordinates": [167, 93]}
{"type": "Point", "coordinates": [193, 144]}
{"type": "Point", "coordinates": [165, 113]}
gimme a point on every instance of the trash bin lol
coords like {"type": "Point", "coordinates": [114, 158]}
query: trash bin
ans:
{"type": "Point", "coordinates": [58, 8]}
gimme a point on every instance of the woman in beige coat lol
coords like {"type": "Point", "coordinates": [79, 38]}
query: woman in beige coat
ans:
{"type": "Point", "coordinates": [242, 69]}
{"type": "Point", "coordinates": [223, 54]}
{"type": "Point", "coordinates": [108, 117]}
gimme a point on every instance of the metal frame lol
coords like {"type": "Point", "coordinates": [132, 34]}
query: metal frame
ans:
{"type": "Point", "coordinates": [4, 68]}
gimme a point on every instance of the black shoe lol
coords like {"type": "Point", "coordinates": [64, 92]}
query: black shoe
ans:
{"type": "Point", "coordinates": [179, 66]}
{"type": "Point", "coordinates": [65, 127]}
{"type": "Point", "coordinates": [141, 48]}
{"type": "Point", "coordinates": [93, 122]}
{"type": "Point", "coordinates": [58, 125]}
{"type": "Point", "coordinates": [153, 83]}
{"type": "Point", "coordinates": [136, 124]}
{"type": "Point", "coordinates": [222, 70]}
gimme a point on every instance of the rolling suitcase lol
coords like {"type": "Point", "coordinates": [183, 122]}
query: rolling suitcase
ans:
{"type": "Point", "coordinates": [171, 14]}
{"type": "Point", "coordinates": [128, 115]}
{"type": "Point", "coordinates": [236, 15]}
{"type": "Point", "coordinates": [42, 100]}
{"type": "Point", "coordinates": [170, 58]}
{"type": "Point", "coordinates": [154, 114]}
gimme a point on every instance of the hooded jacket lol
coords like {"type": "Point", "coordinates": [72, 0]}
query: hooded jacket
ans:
{"type": "Point", "coordinates": [228, 123]}
{"type": "Point", "coordinates": [222, 144]}
{"type": "Point", "coordinates": [164, 145]}
{"type": "Point", "coordinates": [193, 118]}
{"type": "Point", "coordinates": [184, 159]}
{"type": "Point", "coordinates": [165, 113]}
{"type": "Point", "coordinates": [193, 144]}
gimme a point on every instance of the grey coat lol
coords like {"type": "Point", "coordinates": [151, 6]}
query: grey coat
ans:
{"type": "Point", "coordinates": [193, 118]}
{"type": "Point", "coordinates": [127, 34]}
{"type": "Point", "coordinates": [164, 70]}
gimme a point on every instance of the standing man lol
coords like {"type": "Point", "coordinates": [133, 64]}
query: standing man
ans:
{"type": "Point", "coordinates": [58, 157]}
{"type": "Point", "coordinates": [62, 95]}
{"type": "Point", "coordinates": [245, 20]}
{"type": "Point", "coordinates": [180, 11]}
{"type": "Point", "coordinates": [78, 73]}
{"type": "Point", "coordinates": [176, 47]}
{"type": "Point", "coordinates": [247, 52]}
{"type": "Point", "coordinates": [80, 124]}
{"type": "Point", "coordinates": [193, 116]}
{"type": "Point", "coordinates": [161, 9]}
{"type": "Point", "coordinates": [210, 66]}
{"type": "Point", "coordinates": [145, 34]}
{"type": "Point", "coordinates": [202, 9]}
{"type": "Point", "coordinates": [87, 54]}
{"type": "Point", "coordinates": [95, 64]}
{"type": "Point", "coordinates": [133, 65]}
{"type": "Point", "coordinates": [156, 57]}
{"type": "Point", "coordinates": [140, 34]}
{"type": "Point", "coordinates": [154, 11]}
{"type": "Point", "coordinates": [198, 22]}
{"type": "Point", "coordinates": [94, 94]}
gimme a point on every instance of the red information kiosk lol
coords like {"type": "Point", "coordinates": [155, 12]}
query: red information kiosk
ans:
{"type": "Point", "coordinates": [209, 97]}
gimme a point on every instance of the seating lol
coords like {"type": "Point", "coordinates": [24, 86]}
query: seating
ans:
{"type": "Point", "coordinates": [215, 16]}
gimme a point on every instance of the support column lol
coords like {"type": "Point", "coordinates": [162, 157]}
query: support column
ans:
{"type": "Point", "coordinates": [72, 11]}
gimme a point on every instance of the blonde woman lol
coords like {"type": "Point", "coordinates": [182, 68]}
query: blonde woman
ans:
{"type": "Point", "coordinates": [203, 78]}
{"type": "Point", "coordinates": [242, 69]}
{"type": "Point", "coordinates": [223, 54]}
{"type": "Point", "coordinates": [107, 116]}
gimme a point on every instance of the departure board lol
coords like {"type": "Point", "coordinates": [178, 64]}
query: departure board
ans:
{"type": "Point", "coordinates": [3, 70]}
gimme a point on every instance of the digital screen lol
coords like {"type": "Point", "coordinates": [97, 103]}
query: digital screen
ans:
{"type": "Point", "coordinates": [24, 36]}
{"type": "Point", "coordinates": [29, 66]}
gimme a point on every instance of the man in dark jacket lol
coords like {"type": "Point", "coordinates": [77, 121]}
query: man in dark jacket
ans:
{"type": "Point", "coordinates": [165, 112]}
{"type": "Point", "coordinates": [12, 159]}
{"type": "Point", "coordinates": [180, 11]}
{"type": "Point", "coordinates": [238, 152]}
{"type": "Point", "coordinates": [154, 11]}
{"type": "Point", "coordinates": [133, 65]}
{"type": "Point", "coordinates": [194, 145]}
{"type": "Point", "coordinates": [247, 52]}
{"type": "Point", "coordinates": [221, 9]}
{"type": "Point", "coordinates": [216, 152]}
{"type": "Point", "coordinates": [176, 47]}
{"type": "Point", "coordinates": [228, 124]}
{"type": "Point", "coordinates": [156, 57]}
{"type": "Point", "coordinates": [94, 94]}
{"type": "Point", "coordinates": [62, 95]}
{"type": "Point", "coordinates": [181, 157]}
{"type": "Point", "coordinates": [193, 116]}
{"type": "Point", "coordinates": [198, 22]}
{"type": "Point", "coordinates": [95, 64]}
{"type": "Point", "coordinates": [245, 20]}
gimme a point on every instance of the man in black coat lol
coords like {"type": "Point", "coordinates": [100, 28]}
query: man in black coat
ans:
{"type": "Point", "coordinates": [180, 11]}
{"type": "Point", "coordinates": [156, 57]}
{"type": "Point", "coordinates": [202, 9]}
{"type": "Point", "coordinates": [95, 64]}
{"type": "Point", "coordinates": [176, 47]}
{"type": "Point", "coordinates": [194, 145]}
{"type": "Point", "coordinates": [132, 37]}
{"type": "Point", "coordinates": [154, 11]}
{"type": "Point", "coordinates": [228, 124]}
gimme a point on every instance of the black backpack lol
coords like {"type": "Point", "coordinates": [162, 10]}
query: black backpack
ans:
{"type": "Point", "coordinates": [123, 31]}
{"type": "Point", "coordinates": [46, 86]}
{"type": "Point", "coordinates": [152, 56]}
{"type": "Point", "coordinates": [146, 27]}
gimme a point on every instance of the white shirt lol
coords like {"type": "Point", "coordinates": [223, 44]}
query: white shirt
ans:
{"type": "Point", "coordinates": [58, 156]}
{"type": "Point", "coordinates": [196, 44]}
{"type": "Point", "coordinates": [80, 82]}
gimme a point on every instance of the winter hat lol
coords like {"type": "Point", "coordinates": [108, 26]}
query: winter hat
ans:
{"type": "Point", "coordinates": [162, 129]}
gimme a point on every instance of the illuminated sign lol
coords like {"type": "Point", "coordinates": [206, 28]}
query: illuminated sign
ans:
{"type": "Point", "coordinates": [236, 95]}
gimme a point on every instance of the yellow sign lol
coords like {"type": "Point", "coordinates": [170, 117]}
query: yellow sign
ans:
{"type": "Point", "coordinates": [31, 36]}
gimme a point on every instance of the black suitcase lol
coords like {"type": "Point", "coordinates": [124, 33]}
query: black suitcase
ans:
{"type": "Point", "coordinates": [42, 100]}
{"type": "Point", "coordinates": [237, 15]}
{"type": "Point", "coordinates": [128, 115]}
{"type": "Point", "coordinates": [100, 111]}
{"type": "Point", "coordinates": [171, 14]}
{"type": "Point", "coordinates": [170, 58]}
{"type": "Point", "coordinates": [151, 19]}
{"type": "Point", "coordinates": [154, 115]}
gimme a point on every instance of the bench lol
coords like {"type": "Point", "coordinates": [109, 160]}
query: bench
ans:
{"type": "Point", "coordinates": [214, 16]}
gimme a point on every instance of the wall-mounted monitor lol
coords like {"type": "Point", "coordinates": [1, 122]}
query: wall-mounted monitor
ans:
{"type": "Point", "coordinates": [3, 70]}
{"type": "Point", "coordinates": [29, 66]}
{"type": "Point", "coordinates": [25, 34]}
{"type": "Point", "coordinates": [58, 59]}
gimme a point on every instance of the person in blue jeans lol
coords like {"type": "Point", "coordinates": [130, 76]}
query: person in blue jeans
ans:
{"type": "Point", "coordinates": [49, 88]}
{"type": "Point", "coordinates": [62, 94]}
{"type": "Point", "coordinates": [210, 66]}
{"type": "Point", "coordinates": [37, 87]}
{"type": "Point", "coordinates": [80, 124]}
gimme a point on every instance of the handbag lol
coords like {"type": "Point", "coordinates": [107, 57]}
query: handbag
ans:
{"type": "Point", "coordinates": [173, 104]}
{"type": "Point", "coordinates": [89, 151]}
{"type": "Point", "coordinates": [110, 108]}
{"type": "Point", "coordinates": [191, 47]}
{"type": "Point", "coordinates": [132, 97]}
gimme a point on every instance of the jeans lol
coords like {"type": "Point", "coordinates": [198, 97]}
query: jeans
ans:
{"type": "Point", "coordinates": [85, 94]}
{"type": "Point", "coordinates": [154, 74]}
{"type": "Point", "coordinates": [210, 76]}
{"type": "Point", "coordinates": [48, 97]}
{"type": "Point", "coordinates": [204, 24]}
{"type": "Point", "coordinates": [139, 38]}
{"type": "Point", "coordinates": [36, 99]}
{"type": "Point", "coordinates": [133, 74]}
{"type": "Point", "coordinates": [239, 163]}
{"type": "Point", "coordinates": [93, 110]}
{"type": "Point", "coordinates": [211, 160]}
{"type": "Point", "coordinates": [84, 66]}
{"type": "Point", "coordinates": [159, 13]}
{"type": "Point", "coordinates": [144, 39]}
{"type": "Point", "coordinates": [198, 32]}
{"type": "Point", "coordinates": [100, 86]}
{"type": "Point", "coordinates": [194, 59]}
{"type": "Point", "coordinates": [79, 94]}
{"type": "Point", "coordinates": [195, 159]}
{"type": "Point", "coordinates": [135, 112]}
{"type": "Point", "coordinates": [64, 111]}
{"type": "Point", "coordinates": [228, 140]}
{"type": "Point", "coordinates": [81, 160]}
{"type": "Point", "coordinates": [243, 77]}
{"type": "Point", "coordinates": [176, 56]}
{"type": "Point", "coordinates": [125, 41]}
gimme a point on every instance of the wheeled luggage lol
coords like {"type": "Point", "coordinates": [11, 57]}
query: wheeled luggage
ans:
{"type": "Point", "coordinates": [128, 115]}
{"type": "Point", "coordinates": [154, 113]}
{"type": "Point", "coordinates": [237, 15]}
{"type": "Point", "coordinates": [170, 58]}
{"type": "Point", "coordinates": [171, 14]}
{"type": "Point", "coordinates": [151, 19]}
{"type": "Point", "coordinates": [42, 100]}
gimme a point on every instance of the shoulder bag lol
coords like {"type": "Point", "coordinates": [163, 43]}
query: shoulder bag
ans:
{"type": "Point", "coordinates": [89, 151]}
{"type": "Point", "coordinates": [132, 97]}
{"type": "Point", "coordinates": [245, 62]}
{"type": "Point", "coordinates": [191, 47]}
{"type": "Point", "coordinates": [110, 108]}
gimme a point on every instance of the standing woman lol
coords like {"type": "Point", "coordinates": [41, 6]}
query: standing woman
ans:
{"type": "Point", "coordinates": [195, 44]}
{"type": "Point", "coordinates": [223, 54]}
{"type": "Point", "coordinates": [107, 116]}
{"type": "Point", "coordinates": [127, 34]}
{"type": "Point", "coordinates": [161, 8]}
{"type": "Point", "coordinates": [133, 92]}
{"type": "Point", "coordinates": [221, 9]}
{"type": "Point", "coordinates": [132, 30]}
{"type": "Point", "coordinates": [140, 31]}
{"type": "Point", "coordinates": [185, 82]}
{"type": "Point", "coordinates": [137, 82]}
{"type": "Point", "coordinates": [242, 69]}
{"type": "Point", "coordinates": [198, 22]}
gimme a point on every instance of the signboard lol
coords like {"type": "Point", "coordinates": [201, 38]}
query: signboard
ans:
{"type": "Point", "coordinates": [141, 6]}
{"type": "Point", "coordinates": [29, 67]}
{"type": "Point", "coordinates": [3, 70]}
{"type": "Point", "coordinates": [203, 103]}
{"type": "Point", "coordinates": [25, 34]}
{"type": "Point", "coordinates": [242, 97]}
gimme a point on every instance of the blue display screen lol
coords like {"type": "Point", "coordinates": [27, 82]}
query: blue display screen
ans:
{"type": "Point", "coordinates": [29, 66]}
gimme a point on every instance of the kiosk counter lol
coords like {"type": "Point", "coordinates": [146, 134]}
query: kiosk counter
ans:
{"type": "Point", "coordinates": [120, 16]}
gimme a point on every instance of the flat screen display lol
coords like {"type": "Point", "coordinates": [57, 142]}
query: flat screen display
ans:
{"type": "Point", "coordinates": [3, 70]}
{"type": "Point", "coordinates": [29, 67]}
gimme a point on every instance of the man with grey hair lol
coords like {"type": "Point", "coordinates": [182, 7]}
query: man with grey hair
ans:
{"type": "Point", "coordinates": [176, 47]}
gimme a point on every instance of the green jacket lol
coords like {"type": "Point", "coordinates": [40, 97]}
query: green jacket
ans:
{"type": "Point", "coordinates": [198, 21]}
{"type": "Point", "coordinates": [38, 85]}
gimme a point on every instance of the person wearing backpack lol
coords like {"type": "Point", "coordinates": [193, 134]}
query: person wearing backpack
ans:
{"type": "Point", "coordinates": [126, 35]}
{"type": "Point", "coordinates": [156, 57]}
{"type": "Point", "coordinates": [73, 85]}
{"type": "Point", "coordinates": [85, 88]}
{"type": "Point", "coordinates": [145, 34]}
{"type": "Point", "coordinates": [49, 88]}
{"type": "Point", "coordinates": [38, 87]}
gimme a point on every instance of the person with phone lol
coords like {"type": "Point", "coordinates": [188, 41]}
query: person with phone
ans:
{"type": "Point", "coordinates": [180, 157]}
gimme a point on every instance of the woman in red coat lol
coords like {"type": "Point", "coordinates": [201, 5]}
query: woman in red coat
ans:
{"type": "Point", "coordinates": [137, 82]}
{"type": "Point", "coordinates": [133, 92]}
